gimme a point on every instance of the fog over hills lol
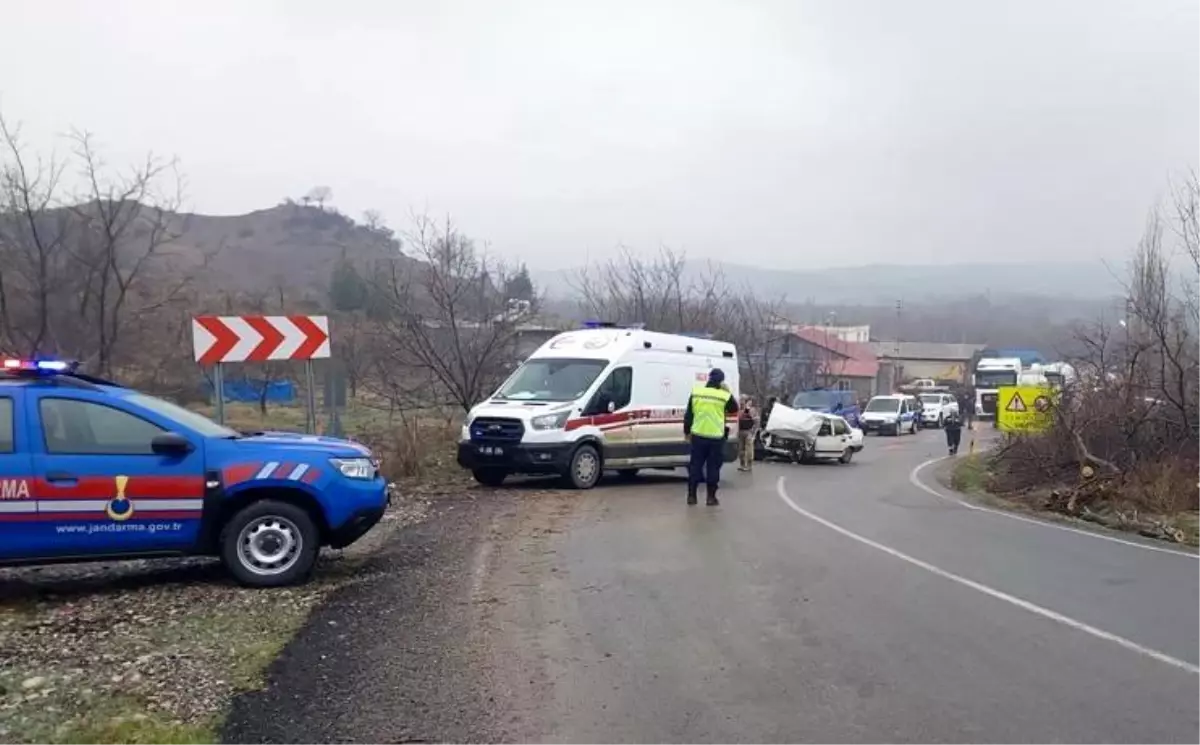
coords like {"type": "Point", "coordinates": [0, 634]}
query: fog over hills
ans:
{"type": "Point", "coordinates": [882, 284]}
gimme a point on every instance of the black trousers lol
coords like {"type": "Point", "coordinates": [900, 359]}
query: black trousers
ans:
{"type": "Point", "coordinates": [953, 437]}
{"type": "Point", "coordinates": [707, 456]}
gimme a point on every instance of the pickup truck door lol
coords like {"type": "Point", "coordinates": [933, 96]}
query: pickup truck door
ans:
{"type": "Point", "coordinates": [18, 505]}
{"type": "Point", "coordinates": [101, 488]}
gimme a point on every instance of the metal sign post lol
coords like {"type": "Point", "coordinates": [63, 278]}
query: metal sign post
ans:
{"type": "Point", "coordinates": [220, 339]}
{"type": "Point", "coordinates": [219, 390]}
{"type": "Point", "coordinates": [310, 419]}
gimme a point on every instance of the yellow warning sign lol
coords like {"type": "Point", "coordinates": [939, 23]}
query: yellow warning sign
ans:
{"type": "Point", "coordinates": [1026, 408]}
{"type": "Point", "coordinates": [1016, 404]}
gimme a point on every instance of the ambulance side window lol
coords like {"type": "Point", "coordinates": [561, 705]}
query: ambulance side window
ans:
{"type": "Point", "coordinates": [617, 389]}
{"type": "Point", "coordinates": [74, 427]}
{"type": "Point", "coordinates": [7, 436]}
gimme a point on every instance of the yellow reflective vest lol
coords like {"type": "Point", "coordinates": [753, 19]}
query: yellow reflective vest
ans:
{"type": "Point", "coordinates": [708, 411]}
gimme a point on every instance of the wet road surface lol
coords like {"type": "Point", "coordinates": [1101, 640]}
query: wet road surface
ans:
{"type": "Point", "coordinates": [832, 603]}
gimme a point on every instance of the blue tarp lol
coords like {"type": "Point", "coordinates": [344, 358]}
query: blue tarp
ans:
{"type": "Point", "coordinates": [251, 391]}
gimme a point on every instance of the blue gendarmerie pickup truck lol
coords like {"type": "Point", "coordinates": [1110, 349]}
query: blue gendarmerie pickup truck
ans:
{"type": "Point", "coordinates": [90, 470]}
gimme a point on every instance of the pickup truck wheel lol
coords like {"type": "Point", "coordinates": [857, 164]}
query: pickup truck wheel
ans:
{"type": "Point", "coordinates": [585, 468]}
{"type": "Point", "coordinates": [270, 544]}
{"type": "Point", "coordinates": [490, 476]}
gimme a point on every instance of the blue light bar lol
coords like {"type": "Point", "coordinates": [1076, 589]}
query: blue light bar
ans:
{"type": "Point", "coordinates": [49, 367]}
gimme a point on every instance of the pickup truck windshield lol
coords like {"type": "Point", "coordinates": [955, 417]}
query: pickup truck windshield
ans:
{"type": "Point", "coordinates": [884, 404]}
{"type": "Point", "coordinates": [190, 419]}
{"type": "Point", "coordinates": [550, 379]}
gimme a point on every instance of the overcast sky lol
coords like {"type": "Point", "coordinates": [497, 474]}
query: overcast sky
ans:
{"type": "Point", "coordinates": [800, 133]}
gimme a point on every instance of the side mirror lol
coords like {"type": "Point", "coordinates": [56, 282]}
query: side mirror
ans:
{"type": "Point", "coordinates": [170, 443]}
{"type": "Point", "coordinates": [612, 406]}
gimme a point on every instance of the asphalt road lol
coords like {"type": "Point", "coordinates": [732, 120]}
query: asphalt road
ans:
{"type": "Point", "coordinates": [865, 610]}
{"type": "Point", "coordinates": [817, 603]}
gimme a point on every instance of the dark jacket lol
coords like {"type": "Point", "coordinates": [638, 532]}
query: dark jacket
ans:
{"type": "Point", "coordinates": [731, 407]}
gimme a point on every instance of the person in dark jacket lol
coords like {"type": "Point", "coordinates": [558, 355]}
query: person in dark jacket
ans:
{"type": "Point", "coordinates": [705, 429]}
{"type": "Point", "coordinates": [953, 426]}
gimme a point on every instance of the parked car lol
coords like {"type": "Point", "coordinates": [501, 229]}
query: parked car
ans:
{"type": "Point", "coordinates": [894, 414]}
{"type": "Point", "coordinates": [825, 401]}
{"type": "Point", "coordinates": [935, 407]}
{"type": "Point", "coordinates": [91, 470]}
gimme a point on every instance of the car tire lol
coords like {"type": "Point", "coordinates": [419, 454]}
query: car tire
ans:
{"type": "Point", "coordinates": [585, 468]}
{"type": "Point", "coordinates": [490, 476]}
{"type": "Point", "coordinates": [270, 544]}
{"type": "Point", "coordinates": [846, 456]}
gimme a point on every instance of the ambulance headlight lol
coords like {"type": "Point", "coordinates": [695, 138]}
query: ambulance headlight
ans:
{"type": "Point", "coordinates": [355, 468]}
{"type": "Point", "coordinates": [545, 422]}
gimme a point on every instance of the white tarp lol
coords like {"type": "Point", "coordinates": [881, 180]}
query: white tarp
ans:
{"type": "Point", "coordinates": [793, 423]}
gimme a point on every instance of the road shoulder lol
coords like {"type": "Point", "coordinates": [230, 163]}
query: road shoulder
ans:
{"type": "Point", "coordinates": [394, 657]}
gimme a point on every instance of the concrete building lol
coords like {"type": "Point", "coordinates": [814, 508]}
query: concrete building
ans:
{"type": "Point", "coordinates": [902, 361]}
{"type": "Point", "coordinates": [805, 357]}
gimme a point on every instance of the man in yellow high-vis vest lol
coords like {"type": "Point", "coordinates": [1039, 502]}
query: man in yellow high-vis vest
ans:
{"type": "Point", "coordinates": [704, 426]}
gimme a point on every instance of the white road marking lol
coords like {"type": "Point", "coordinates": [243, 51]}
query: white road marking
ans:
{"type": "Point", "coordinates": [915, 479]}
{"type": "Point", "coordinates": [1011, 599]}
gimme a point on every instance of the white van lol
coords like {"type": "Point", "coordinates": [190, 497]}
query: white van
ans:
{"type": "Point", "coordinates": [592, 400]}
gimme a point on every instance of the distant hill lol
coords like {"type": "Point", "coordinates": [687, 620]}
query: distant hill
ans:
{"type": "Point", "coordinates": [290, 245]}
{"type": "Point", "coordinates": [884, 284]}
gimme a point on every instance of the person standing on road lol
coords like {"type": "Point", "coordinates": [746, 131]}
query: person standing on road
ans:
{"type": "Point", "coordinates": [704, 428]}
{"type": "Point", "coordinates": [953, 426]}
{"type": "Point", "coordinates": [747, 424]}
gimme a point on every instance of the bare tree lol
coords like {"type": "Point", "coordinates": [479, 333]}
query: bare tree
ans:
{"type": "Point", "coordinates": [318, 194]}
{"type": "Point", "coordinates": [447, 332]}
{"type": "Point", "coordinates": [32, 237]}
{"type": "Point", "coordinates": [127, 225]}
{"type": "Point", "coordinates": [656, 292]}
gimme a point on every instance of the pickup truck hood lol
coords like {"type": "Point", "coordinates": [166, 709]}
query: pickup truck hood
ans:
{"type": "Point", "coordinates": [331, 446]}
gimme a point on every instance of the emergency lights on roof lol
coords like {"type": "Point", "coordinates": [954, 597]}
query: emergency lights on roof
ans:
{"type": "Point", "coordinates": [38, 366]}
{"type": "Point", "coordinates": [611, 325]}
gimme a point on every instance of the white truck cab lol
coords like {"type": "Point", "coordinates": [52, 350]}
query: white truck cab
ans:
{"type": "Point", "coordinates": [990, 375]}
{"type": "Point", "coordinates": [591, 400]}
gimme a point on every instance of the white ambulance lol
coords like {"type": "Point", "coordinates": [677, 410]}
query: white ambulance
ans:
{"type": "Point", "coordinates": [596, 399]}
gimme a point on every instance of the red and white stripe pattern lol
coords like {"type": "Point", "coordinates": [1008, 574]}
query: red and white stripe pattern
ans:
{"type": "Point", "coordinates": [217, 339]}
{"type": "Point", "coordinates": [270, 471]}
{"type": "Point", "coordinates": [96, 509]}
{"type": "Point", "coordinates": [151, 497]}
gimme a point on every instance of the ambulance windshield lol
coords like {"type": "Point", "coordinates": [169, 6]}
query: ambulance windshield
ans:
{"type": "Point", "coordinates": [551, 379]}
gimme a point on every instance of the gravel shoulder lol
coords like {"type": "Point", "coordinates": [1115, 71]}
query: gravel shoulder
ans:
{"type": "Point", "coordinates": [399, 656]}
{"type": "Point", "coordinates": [152, 651]}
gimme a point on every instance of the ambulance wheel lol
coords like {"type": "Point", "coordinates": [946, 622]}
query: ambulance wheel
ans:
{"type": "Point", "coordinates": [628, 474]}
{"type": "Point", "coordinates": [490, 476]}
{"type": "Point", "coordinates": [585, 468]}
{"type": "Point", "coordinates": [270, 544]}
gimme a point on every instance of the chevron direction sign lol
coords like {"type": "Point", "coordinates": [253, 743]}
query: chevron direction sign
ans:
{"type": "Point", "coordinates": [219, 339]}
